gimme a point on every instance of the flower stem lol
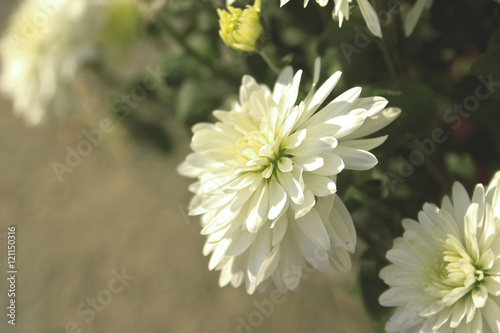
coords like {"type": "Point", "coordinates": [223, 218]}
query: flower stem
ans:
{"type": "Point", "coordinates": [433, 170]}
{"type": "Point", "coordinates": [390, 45]}
{"type": "Point", "coordinates": [270, 60]}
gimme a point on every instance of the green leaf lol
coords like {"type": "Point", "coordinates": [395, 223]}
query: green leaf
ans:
{"type": "Point", "coordinates": [460, 166]}
{"type": "Point", "coordinates": [415, 99]}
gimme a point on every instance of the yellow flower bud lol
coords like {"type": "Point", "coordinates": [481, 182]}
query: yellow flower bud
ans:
{"type": "Point", "coordinates": [241, 29]}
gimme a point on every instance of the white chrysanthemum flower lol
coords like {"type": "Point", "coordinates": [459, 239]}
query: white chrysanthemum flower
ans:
{"type": "Point", "coordinates": [445, 275]}
{"type": "Point", "coordinates": [412, 16]}
{"type": "Point", "coordinates": [267, 178]}
{"type": "Point", "coordinates": [45, 44]}
{"type": "Point", "coordinates": [341, 11]}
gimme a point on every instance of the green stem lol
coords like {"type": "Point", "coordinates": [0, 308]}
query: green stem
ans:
{"type": "Point", "coordinates": [433, 170]}
{"type": "Point", "coordinates": [387, 58]}
{"type": "Point", "coordinates": [390, 45]}
{"type": "Point", "coordinates": [270, 60]}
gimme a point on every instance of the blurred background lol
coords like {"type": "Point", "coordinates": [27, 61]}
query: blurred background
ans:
{"type": "Point", "coordinates": [106, 245]}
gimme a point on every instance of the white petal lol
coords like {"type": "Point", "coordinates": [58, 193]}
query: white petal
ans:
{"type": "Point", "coordinates": [372, 105]}
{"type": "Point", "coordinates": [413, 16]}
{"type": "Point", "coordinates": [304, 208]}
{"type": "Point", "coordinates": [370, 17]}
{"type": "Point", "coordinates": [333, 165]}
{"type": "Point", "coordinates": [461, 203]}
{"type": "Point", "coordinates": [458, 314]}
{"type": "Point", "coordinates": [241, 241]}
{"type": "Point", "coordinates": [202, 161]}
{"type": "Point", "coordinates": [356, 159]}
{"type": "Point", "coordinates": [367, 144]}
{"type": "Point", "coordinates": [279, 229]}
{"type": "Point", "coordinates": [479, 296]}
{"type": "Point", "coordinates": [187, 170]}
{"type": "Point", "coordinates": [257, 214]}
{"type": "Point", "coordinates": [375, 123]}
{"type": "Point", "coordinates": [292, 186]}
{"type": "Point", "coordinates": [294, 140]}
{"type": "Point", "coordinates": [340, 260]}
{"type": "Point", "coordinates": [314, 253]}
{"type": "Point", "coordinates": [277, 199]}
{"type": "Point", "coordinates": [338, 107]}
{"type": "Point", "coordinates": [340, 226]}
{"type": "Point", "coordinates": [293, 91]}
{"type": "Point", "coordinates": [248, 87]}
{"type": "Point", "coordinates": [226, 274]}
{"type": "Point", "coordinates": [311, 146]}
{"type": "Point", "coordinates": [313, 102]}
{"type": "Point", "coordinates": [321, 186]}
{"type": "Point", "coordinates": [258, 253]}
{"type": "Point", "coordinates": [291, 262]}
{"type": "Point", "coordinates": [338, 126]}
{"type": "Point", "coordinates": [402, 320]}
{"type": "Point", "coordinates": [285, 164]}
{"type": "Point", "coordinates": [491, 312]}
{"type": "Point", "coordinates": [309, 163]}
{"type": "Point", "coordinates": [404, 257]}
{"type": "Point", "coordinates": [312, 226]}
{"type": "Point", "coordinates": [269, 265]}
{"type": "Point", "coordinates": [397, 296]}
{"type": "Point", "coordinates": [444, 316]}
{"type": "Point", "coordinates": [219, 253]}
{"type": "Point", "coordinates": [455, 294]}
{"type": "Point", "coordinates": [487, 260]}
{"type": "Point", "coordinates": [493, 194]}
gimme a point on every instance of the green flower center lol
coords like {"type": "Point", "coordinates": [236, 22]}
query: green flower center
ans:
{"type": "Point", "coordinates": [459, 267]}
{"type": "Point", "coordinates": [256, 154]}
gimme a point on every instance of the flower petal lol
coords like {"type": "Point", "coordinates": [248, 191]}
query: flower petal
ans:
{"type": "Point", "coordinates": [375, 123]}
{"type": "Point", "coordinates": [277, 199]}
{"type": "Point", "coordinates": [356, 159]}
{"type": "Point", "coordinates": [370, 17]}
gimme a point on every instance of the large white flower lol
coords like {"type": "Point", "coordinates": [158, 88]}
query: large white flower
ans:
{"type": "Point", "coordinates": [445, 275]}
{"type": "Point", "coordinates": [342, 9]}
{"type": "Point", "coordinates": [45, 44]}
{"type": "Point", "coordinates": [412, 16]}
{"type": "Point", "coordinates": [267, 178]}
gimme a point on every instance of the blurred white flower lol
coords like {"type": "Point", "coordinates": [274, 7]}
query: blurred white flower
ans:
{"type": "Point", "coordinates": [412, 16]}
{"type": "Point", "coordinates": [445, 275]}
{"type": "Point", "coordinates": [45, 44]}
{"type": "Point", "coordinates": [342, 8]}
{"type": "Point", "coordinates": [267, 178]}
